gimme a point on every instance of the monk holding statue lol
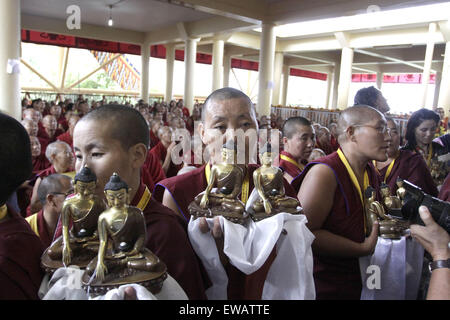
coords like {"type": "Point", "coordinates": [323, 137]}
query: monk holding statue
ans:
{"type": "Point", "coordinates": [122, 255]}
{"type": "Point", "coordinates": [271, 197]}
{"type": "Point", "coordinates": [225, 182]}
{"type": "Point", "coordinates": [80, 212]}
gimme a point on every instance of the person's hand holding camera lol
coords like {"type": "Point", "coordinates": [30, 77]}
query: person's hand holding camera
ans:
{"type": "Point", "coordinates": [431, 236]}
{"type": "Point", "coordinates": [436, 241]}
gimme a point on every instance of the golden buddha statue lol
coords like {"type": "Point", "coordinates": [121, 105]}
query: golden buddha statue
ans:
{"type": "Point", "coordinates": [401, 191]}
{"type": "Point", "coordinates": [390, 202]}
{"type": "Point", "coordinates": [122, 256]}
{"type": "Point", "coordinates": [220, 197]}
{"type": "Point", "coordinates": [78, 245]}
{"type": "Point", "coordinates": [389, 228]}
{"type": "Point", "coordinates": [269, 184]}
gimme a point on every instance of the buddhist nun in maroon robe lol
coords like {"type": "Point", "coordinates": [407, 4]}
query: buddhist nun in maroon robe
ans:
{"type": "Point", "coordinates": [298, 139]}
{"type": "Point", "coordinates": [224, 109]}
{"type": "Point", "coordinates": [119, 135]}
{"type": "Point", "coordinates": [333, 202]}
{"type": "Point", "coordinates": [404, 164]}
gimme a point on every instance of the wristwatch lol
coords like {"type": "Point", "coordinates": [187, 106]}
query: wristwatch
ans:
{"type": "Point", "coordinates": [439, 264]}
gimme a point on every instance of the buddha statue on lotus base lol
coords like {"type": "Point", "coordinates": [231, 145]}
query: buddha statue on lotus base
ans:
{"type": "Point", "coordinates": [122, 257]}
{"type": "Point", "coordinates": [78, 245]}
{"type": "Point", "coordinates": [269, 185]}
{"type": "Point", "coordinates": [224, 186]}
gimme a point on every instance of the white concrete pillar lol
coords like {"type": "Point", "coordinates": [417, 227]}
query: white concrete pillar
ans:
{"type": "Point", "coordinates": [328, 92]}
{"type": "Point", "coordinates": [444, 91]}
{"type": "Point", "coordinates": [10, 50]}
{"type": "Point", "coordinates": [437, 85]}
{"type": "Point", "coordinates": [336, 75]}
{"type": "Point", "coordinates": [277, 71]}
{"type": "Point", "coordinates": [190, 55]}
{"type": "Point", "coordinates": [345, 77]}
{"type": "Point", "coordinates": [170, 62]}
{"type": "Point", "coordinates": [217, 63]}
{"type": "Point", "coordinates": [226, 70]}
{"type": "Point", "coordinates": [380, 76]}
{"type": "Point", "coordinates": [266, 61]}
{"type": "Point", "coordinates": [286, 71]}
{"type": "Point", "coordinates": [427, 63]}
{"type": "Point", "coordinates": [145, 60]}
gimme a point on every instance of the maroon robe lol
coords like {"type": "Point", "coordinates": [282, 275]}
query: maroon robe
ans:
{"type": "Point", "coordinates": [339, 277]}
{"type": "Point", "coordinates": [40, 163]}
{"type": "Point", "coordinates": [288, 167]}
{"type": "Point", "coordinates": [20, 258]}
{"type": "Point", "coordinates": [184, 188]}
{"type": "Point", "coordinates": [66, 137]}
{"type": "Point", "coordinates": [147, 178]}
{"type": "Point", "coordinates": [412, 167]}
{"type": "Point", "coordinates": [154, 168]}
{"type": "Point", "coordinates": [63, 122]}
{"type": "Point", "coordinates": [43, 134]}
{"type": "Point", "coordinates": [45, 236]}
{"type": "Point", "coordinates": [334, 143]}
{"type": "Point", "coordinates": [328, 149]}
{"type": "Point", "coordinates": [45, 173]}
{"type": "Point", "coordinates": [444, 194]}
{"type": "Point", "coordinates": [166, 237]}
{"type": "Point", "coordinates": [160, 152]}
{"type": "Point", "coordinates": [153, 139]}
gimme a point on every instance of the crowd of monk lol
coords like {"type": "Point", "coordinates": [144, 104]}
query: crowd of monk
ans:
{"type": "Point", "coordinates": [317, 160]}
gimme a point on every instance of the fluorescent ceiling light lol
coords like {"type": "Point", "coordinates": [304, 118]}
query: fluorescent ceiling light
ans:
{"type": "Point", "coordinates": [371, 20]}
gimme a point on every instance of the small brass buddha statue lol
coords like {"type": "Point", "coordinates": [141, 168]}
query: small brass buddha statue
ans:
{"type": "Point", "coordinates": [392, 203]}
{"type": "Point", "coordinates": [269, 183]}
{"type": "Point", "coordinates": [220, 197]}
{"type": "Point", "coordinates": [122, 256]}
{"type": "Point", "coordinates": [401, 191]}
{"type": "Point", "coordinates": [78, 245]}
{"type": "Point", "coordinates": [389, 228]}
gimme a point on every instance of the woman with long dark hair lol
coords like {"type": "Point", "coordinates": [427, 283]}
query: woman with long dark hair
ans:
{"type": "Point", "coordinates": [420, 132]}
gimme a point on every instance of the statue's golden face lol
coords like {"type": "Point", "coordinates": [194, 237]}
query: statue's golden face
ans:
{"type": "Point", "coordinates": [266, 158]}
{"type": "Point", "coordinates": [228, 156]}
{"type": "Point", "coordinates": [385, 191]}
{"type": "Point", "coordinates": [86, 190]}
{"type": "Point", "coordinates": [117, 198]}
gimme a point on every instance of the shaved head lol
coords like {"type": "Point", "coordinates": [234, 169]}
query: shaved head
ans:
{"type": "Point", "coordinates": [226, 94]}
{"type": "Point", "coordinates": [129, 126]}
{"type": "Point", "coordinates": [355, 116]}
{"type": "Point", "coordinates": [290, 126]}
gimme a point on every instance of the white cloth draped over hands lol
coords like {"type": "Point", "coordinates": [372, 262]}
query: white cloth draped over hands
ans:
{"type": "Point", "coordinates": [65, 284]}
{"type": "Point", "coordinates": [400, 269]}
{"type": "Point", "coordinates": [247, 248]}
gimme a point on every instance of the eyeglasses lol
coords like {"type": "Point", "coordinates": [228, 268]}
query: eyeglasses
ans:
{"type": "Point", "coordinates": [380, 129]}
{"type": "Point", "coordinates": [68, 193]}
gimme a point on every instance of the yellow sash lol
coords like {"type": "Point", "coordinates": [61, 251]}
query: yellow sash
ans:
{"type": "Point", "coordinates": [355, 181]}
{"type": "Point", "coordinates": [388, 171]}
{"type": "Point", "coordinates": [32, 220]}
{"type": "Point", "coordinates": [3, 211]}
{"type": "Point", "coordinates": [290, 160]}
{"type": "Point", "coordinates": [245, 183]}
{"type": "Point", "coordinates": [144, 199]}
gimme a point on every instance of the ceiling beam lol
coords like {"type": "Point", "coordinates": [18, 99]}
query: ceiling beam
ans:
{"type": "Point", "coordinates": [51, 25]}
